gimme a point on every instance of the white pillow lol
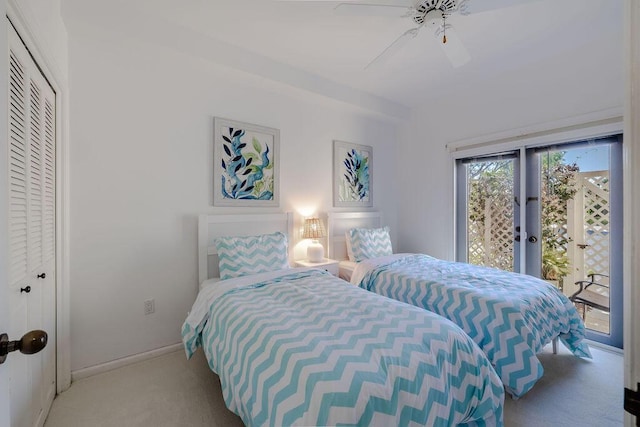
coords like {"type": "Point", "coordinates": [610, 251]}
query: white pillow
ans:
{"type": "Point", "coordinates": [347, 237]}
{"type": "Point", "coordinates": [370, 243]}
{"type": "Point", "coordinates": [240, 256]}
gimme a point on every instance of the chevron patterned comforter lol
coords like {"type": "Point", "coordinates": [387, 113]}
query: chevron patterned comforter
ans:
{"type": "Point", "coordinates": [510, 316]}
{"type": "Point", "coordinates": [302, 347]}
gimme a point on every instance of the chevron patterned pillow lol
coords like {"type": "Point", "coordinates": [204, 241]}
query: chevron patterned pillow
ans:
{"type": "Point", "coordinates": [240, 256]}
{"type": "Point", "coordinates": [370, 243]}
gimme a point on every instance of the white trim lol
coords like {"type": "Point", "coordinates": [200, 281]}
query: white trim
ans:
{"type": "Point", "coordinates": [454, 212]}
{"type": "Point", "coordinates": [5, 214]}
{"type": "Point", "coordinates": [38, 45]}
{"type": "Point", "coordinates": [63, 239]}
{"type": "Point", "coordinates": [582, 127]}
{"type": "Point", "coordinates": [605, 347]}
{"type": "Point", "coordinates": [118, 363]}
{"type": "Point", "coordinates": [631, 162]}
{"type": "Point", "coordinates": [523, 210]}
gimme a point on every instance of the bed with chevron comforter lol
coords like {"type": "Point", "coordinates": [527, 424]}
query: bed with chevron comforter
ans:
{"type": "Point", "coordinates": [510, 316]}
{"type": "Point", "coordinates": [302, 347]}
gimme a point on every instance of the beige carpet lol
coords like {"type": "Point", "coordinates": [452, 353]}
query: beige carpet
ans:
{"type": "Point", "coordinates": [572, 392]}
{"type": "Point", "coordinates": [171, 391]}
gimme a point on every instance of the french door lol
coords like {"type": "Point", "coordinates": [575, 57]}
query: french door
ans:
{"type": "Point", "coordinates": [553, 212]}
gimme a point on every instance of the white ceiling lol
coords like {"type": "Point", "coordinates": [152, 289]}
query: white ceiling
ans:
{"type": "Point", "coordinates": [331, 50]}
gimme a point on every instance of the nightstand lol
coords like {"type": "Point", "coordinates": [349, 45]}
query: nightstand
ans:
{"type": "Point", "coordinates": [330, 265]}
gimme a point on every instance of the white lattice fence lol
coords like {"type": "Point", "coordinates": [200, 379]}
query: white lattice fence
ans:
{"type": "Point", "coordinates": [589, 227]}
{"type": "Point", "coordinates": [490, 214]}
{"type": "Point", "coordinates": [502, 235]}
{"type": "Point", "coordinates": [491, 237]}
{"type": "Point", "coordinates": [596, 222]}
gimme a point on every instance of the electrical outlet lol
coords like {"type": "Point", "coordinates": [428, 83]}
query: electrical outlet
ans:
{"type": "Point", "coordinates": [149, 306]}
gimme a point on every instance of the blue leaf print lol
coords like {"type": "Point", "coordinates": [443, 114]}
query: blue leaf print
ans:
{"type": "Point", "coordinates": [243, 177]}
{"type": "Point", "coordinates": [357, 175]}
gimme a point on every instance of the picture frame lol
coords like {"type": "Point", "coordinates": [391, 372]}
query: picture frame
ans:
{"type": "Point", "coordinates": [246, 164]}
{"type": "Point", "coordinates": [352, 175]}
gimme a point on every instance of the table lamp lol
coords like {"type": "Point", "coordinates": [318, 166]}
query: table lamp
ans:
{"type": "Point", "coordinates": [313, 229]}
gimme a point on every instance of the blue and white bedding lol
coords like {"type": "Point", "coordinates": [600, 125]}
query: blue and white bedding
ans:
{"type": "Point", "coordinates": [302, 347]}
{"type": "Point", "coordinates": [510, 316]}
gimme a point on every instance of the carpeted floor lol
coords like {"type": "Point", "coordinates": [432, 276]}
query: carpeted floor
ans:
{"type": "Point", "coordinates": [572, 392]}
{"type": "Point", "coordinates": [171, 391]}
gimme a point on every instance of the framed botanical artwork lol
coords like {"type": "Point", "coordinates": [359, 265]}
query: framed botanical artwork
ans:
{"type": "Point", "coordinates": [352, 175]}
{"type": "Point", "coordinates": [246, 164]}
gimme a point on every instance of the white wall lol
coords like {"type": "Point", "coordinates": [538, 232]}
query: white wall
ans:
{"type": "Point", "coordinates": [141, 158]}
{"type": "Point", "coordinates": [45, 26]}
{"type": "Point", "coordinates": [141, 163]}
{"type": "Point", "coordinates": [578, 82]}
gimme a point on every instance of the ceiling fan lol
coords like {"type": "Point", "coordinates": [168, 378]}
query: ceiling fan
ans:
{"type": "Point", "coordinates": [432, 14]}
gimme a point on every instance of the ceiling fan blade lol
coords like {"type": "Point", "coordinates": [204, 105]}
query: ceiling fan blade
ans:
{"type": "Point", "coordinates": [368, 9]}
{"type": "Point", "coordinates": [477, 6]}
{"type": "Point", "coordinates": [454, 48]}
{"type": "Point", "coordinates": [393, 48]}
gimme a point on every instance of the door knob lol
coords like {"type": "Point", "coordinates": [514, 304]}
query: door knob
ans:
{"type": "Point", "coordinates": [533, 239]}
{"type": "Point", "coordinates": [30, 343]}
{"type": "Point", "coordinates": [42, 276]}
{"type": "Point", "coordinates": [26, 289]}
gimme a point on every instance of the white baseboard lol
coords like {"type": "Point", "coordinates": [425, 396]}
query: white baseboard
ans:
{"type": "Point", "coordinates": [114, 364]}
{"type": "Point", "coordinates": [605, 347]}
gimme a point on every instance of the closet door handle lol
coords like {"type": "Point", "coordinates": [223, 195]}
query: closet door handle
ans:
{"type": "Point", "coordinates": [42, 275]}
{"type": "Point", "coordinates": [26, 289]}
{"type": "Point", "coordinates": [30, 343]}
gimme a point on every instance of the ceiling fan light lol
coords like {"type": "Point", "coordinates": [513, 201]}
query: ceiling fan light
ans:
{"type": "Point", "coordinates": [433, 18]}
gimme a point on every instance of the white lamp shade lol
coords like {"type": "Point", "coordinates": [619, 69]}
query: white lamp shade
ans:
{"type": "Point", "coordinates": [315, 251]}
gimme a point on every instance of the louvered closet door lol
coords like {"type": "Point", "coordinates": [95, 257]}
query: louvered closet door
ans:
{"type": "Point", "coordinates": [32, 233]}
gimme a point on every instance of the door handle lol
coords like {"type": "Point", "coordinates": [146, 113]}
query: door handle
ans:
{"type": "Point", "coordinates": [42, 276]}
{"type": "Point", "coordinates": [26, 289]}
{"type": "Point", "coordinates": [533, 239]}
{"type": "Point", "coordinates": [30, 343]}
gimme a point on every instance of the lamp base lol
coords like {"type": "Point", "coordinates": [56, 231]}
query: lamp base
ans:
{"type": "Point", "coordinates": [315, 252]}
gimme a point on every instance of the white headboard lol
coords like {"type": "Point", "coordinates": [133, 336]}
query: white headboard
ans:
{"type": "Point", "coordinates": [212, 226]}
{"type": "Point", "coordinates": [339, 222]}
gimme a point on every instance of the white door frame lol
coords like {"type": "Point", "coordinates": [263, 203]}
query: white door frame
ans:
{"type": "Point", "coordinates": [36, 41]}
{"type": "Point", "coordinates": [631, 157]}
{"type": "Point", "coordinates": [5, 420]}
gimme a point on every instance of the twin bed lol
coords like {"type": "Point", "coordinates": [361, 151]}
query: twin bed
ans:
{"type": "Point", "coordinates": [510, 316]}
{"type": "Point", "coordinates": [299, 346]}
{"type": "Point", "coordinates": [302, 347]}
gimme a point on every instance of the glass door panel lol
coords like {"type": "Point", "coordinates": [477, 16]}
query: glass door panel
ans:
{"type": "Point", "coordinates": [580, 228]}
{"type": "Point", "coordinates": [488, 211]}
